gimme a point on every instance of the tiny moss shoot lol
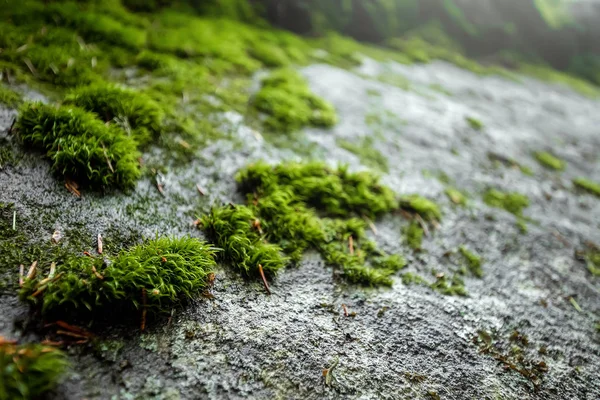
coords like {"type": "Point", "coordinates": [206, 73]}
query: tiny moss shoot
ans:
{"type": "Point", "coordinates": [79, 145]}
{"type": "Point", "coordinates": [549, 161]}
{"type": "Point", "coordinates": [587, 185]}
{"type": "Point", "coordinates": [474, 123]}
{"type": "Point", "coordinates": [293, 207]}
{"type": "Point", "coordinates": [290, 105]}
{"type": "Point", "coordinates": [456, 196]}
{"type": "Point", "coordinates": [27, 371]}
{"type": "Point", "coordinates": [473, 261]}
{"type": "Point", "coordinates": [158, 275]}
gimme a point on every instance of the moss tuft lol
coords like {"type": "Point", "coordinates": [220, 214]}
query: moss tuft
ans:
{"type": "Point", "coordinates": [368, 155]}
{"type": "Point", "coordinates": [293, 207]}
{"type": "Point", "coordinates": [456, 196]}
{"type": "Point", "coordinates": [474, 123]}
{"type": "Point", "coordinates": [28, 371]}
{"type": "Point", "coordinates": [514, 203]}
{"type": "Point", "coordinates": [549, 161]}
{"type": "Point", "coordinates": [9, 97]}
{"type": "Point", "coordinates": [473, 261]}
{"type": "Point", "coordinates": [414, 235]}
{"type": "Point", "coordinates": [156, 275]}
{"type": "Point", "coordinates": [134, 112]}
{"type": "Point", "coordinates": [426, 208]}
{"type": "Point", "coordinates": [587, 185]}
{"type": "Point", "coordinates": [290, 105]}
{"type": "Point", "coordinates": [80, 146]}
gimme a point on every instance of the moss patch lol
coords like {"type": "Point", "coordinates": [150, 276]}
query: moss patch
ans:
{"type": "Point", "coordinates": [549, 161]}
{"type": "Point", "coordinates": [413, 235]}
{"type": "Point", "coordinates": [155, 275]}
{"type": "Point", "coordinates": [28, 371]}
{"type": "Point", "coordinates": [587, 185]}
{"type": "Point", "coordinates": [368, 155]}
{"type": "Point", "coordinates": [473, 261]}
{"type": "Point", "coordinates": [512, 202]}
{"type": "Point", "coordinates": [9, 97]}
{"type": "Point", "coordinates": [79, 145]}
{"type": "Point", "coordinates": [427, 209]}
{"type": "Point", "coordinates": [290, 105]}
{"type": "Point", "coordinates": [293, 207]}
{"type": "Point", "coordinates": [456, 196]}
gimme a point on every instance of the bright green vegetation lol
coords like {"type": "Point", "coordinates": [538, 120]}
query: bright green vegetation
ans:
{"type": "Point", "coordinates": [369, 156]}
{"type": "Point", "coordinates": [27, 371]}
{"type": "Point", "coordinates": [79, 145]}
{"type": "Point", "coordinates": [592, 257]}
{"type": "Point", "coordinates": [549, 161]}
{"type": "Point", "coordinates": [456, 196]}
{"type": "Point", "coordinates": [425, 208]}
{"type": "Point", "coordinates": [292, 207]}
{"type": "Point", "coordinates": [587, 185]}
{"type": "Point", "coordinates": [290, 105]}
{"type": "Point", "coordinates": [512, 202]}
{"type": "Point", "coordinates": [547, 74]}
{"type": "Point", "coordinates": [473, 261]}
{"type": "Point", "coordinates": [9, 97]}
{"type": "Point", "coordinates": [509, 162]}
{"type": "Point", "coordinates": [474, 123]}
{"type": "Point", "coordinates": [453, 286]}
{"type": "Point", "coordinates": [134, 113]}
{"type": "Point", "coordinates": [155, 275]}
{"type": "Point", "coordinates": [414, 235]}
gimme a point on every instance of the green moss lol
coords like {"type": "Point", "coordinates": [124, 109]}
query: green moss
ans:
{"type": "Point", "coordinates": [28, 371]}
{"type": "Point", "coordinates": [290, 105]}
{"type": "Point", "coordinates": [473, 261]}
{"type": "Point", "coordinates": [426, 208]}
{"type": "Point", "coordinates": [138, 115]}
{"type": "Point", "coordinates": [547, 74]}
{"type": "Point", "coordinates": [592, 258]}
{"type": "Point", "coordinates": [414, 235]}
{"type": "Point", "coordinates": [549, 161]}
{"type": "Point", "coordinates": [474, 123]}
{"type": "Point", "coordinates": [80, 146]}
{"type": "Point", "coordinates": [160, 273]}
{"type": "Point", "coordinates": [514, 203]}
{"type": "Point", "coordinates": [293, 207]}
{"type": "Point", "coordinates": [368, 155]}
{"type": "Point", "coordinates": [9, 97]}
{"type": "Point", "coordinates": [449, 286]}
{"type": "Point", "coordinates": [456, 196]}
{"type": "Point", "coordinates": [587, 185]}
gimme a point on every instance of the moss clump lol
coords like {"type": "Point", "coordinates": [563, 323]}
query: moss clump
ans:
{"type": "Point", "coordinates": [9, 97]}
{"type": "Point", "coordinates": [134, 112]}
{"type": "Point", "coordinates": [28, 371]}
{"type": "Point", "coordinates": [368, 155]}
{"type": "Point", "coordinates": [80, 146]}
{"type": "Point", "coordinates": [156, 275]}
{"type": "Point", "coordinates": [549, 161]}
{"type": "Point", "coordinates": [426, 208]}
{"type": "Point", "coordinates": [587, 185]}
{"type": "Point", "coordinates": [473, 261]}
{"type": "Point", "coordinates": [456, 196]}
{"type": "Point", "coordinates": [293, 207]}
{"type": "Point", "coordinates": [474, 123]}
{"type": "Point", "coordinates": [290, 105]}
{"type": "Point", "coordinates": [514, 203]}
{"type": "Point", "coordinates": [414, 235]}
{"type": "Point", "coordinates": [454, 286]}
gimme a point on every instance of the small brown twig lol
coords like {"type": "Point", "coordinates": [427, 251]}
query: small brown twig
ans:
{"type": "Point", "coordinates": [372, 226]}
{"type": "Point", "coordinates": [27, 62]}
{"type": "Point", "coordinates": [72, 187]}
{"type": "Point", "coordinates": [21, 275]}
{"type": "Point", "coordinates": [12, 125]}
{"type": "Point", "coordinates": [351, 244]}
{"type": "Point", "coordinates": [74, 329]}
{"type": "Point", "coordinates": [144, 311]}
{"type": "Point", "coordinates": [423, 224]}
{"type": "Point", "coordinates": [345, 310]}
{"type": "Point", "coordinates": [99, 244]}
{"type": "Point", "coordinates": [97, 274]}
{"type": "Point", "coordinates": [264, 279]}
{"type": "Point", "coordinates": [200, 190]}
{"type": "Point", "coordinates": [32, 271]}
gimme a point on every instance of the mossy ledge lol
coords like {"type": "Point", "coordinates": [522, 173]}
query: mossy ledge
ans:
{"type": "Point", "coordinates": [290, 105]}
{"type": "Point", "coordinates": [29, 370]}
{"type": "Point", "coordinates": [292, 207]}
{"type": "Point", "coordinates": [79, 145]}
{"type": "Point", "coordinates": [156, 275]}
{"type": "Point", "coordinates": [587, 186]}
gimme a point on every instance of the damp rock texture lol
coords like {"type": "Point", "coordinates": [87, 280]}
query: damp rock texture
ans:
{"type": "Point", "coordinates": [526, 329]}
